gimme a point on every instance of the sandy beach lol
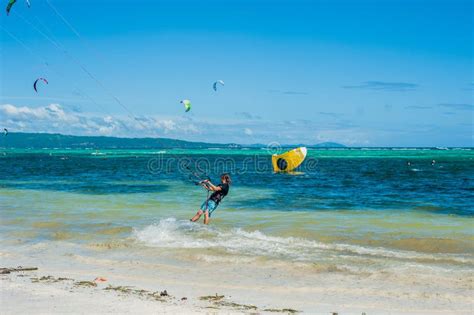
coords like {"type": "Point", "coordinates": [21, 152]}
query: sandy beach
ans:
{"type": "Point", "coordinates": [65, 284]}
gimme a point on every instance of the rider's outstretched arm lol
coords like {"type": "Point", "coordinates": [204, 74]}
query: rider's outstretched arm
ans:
{"type": "Point", "coordinates": [210, 186]}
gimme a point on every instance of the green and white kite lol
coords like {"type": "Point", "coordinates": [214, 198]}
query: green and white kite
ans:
{"type": "Point", "coordinates": [187, 105]}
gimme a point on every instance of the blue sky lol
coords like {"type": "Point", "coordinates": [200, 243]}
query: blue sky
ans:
{"type": "Point", "coordinates": [362, 73]}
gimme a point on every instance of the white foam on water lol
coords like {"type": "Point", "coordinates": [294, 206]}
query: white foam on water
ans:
{"type": "Point", "coordinates": [181, 234]}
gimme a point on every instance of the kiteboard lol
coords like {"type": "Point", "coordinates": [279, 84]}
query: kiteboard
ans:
{"type": "Point", "coordinates": [288, 161]}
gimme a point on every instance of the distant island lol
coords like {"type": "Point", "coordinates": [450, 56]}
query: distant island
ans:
{"type": "Point", "coordinates": [19, 140]}
{"type": "Point", "coordinates": [327, 145]}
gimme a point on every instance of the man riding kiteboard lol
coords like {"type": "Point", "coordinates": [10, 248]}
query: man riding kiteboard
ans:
{"type": "Point", "coordinates": [211, 203]}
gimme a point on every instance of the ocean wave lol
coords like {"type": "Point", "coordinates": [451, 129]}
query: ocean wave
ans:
{"type": "Point", "coordinates": [180, 234]}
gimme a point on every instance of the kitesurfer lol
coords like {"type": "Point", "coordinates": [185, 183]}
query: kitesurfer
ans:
{"type": "Point", "coordinates": [211, 203]}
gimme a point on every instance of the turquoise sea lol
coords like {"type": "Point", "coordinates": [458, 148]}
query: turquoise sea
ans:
{"type": "Point", "coordinates": [362, 211]}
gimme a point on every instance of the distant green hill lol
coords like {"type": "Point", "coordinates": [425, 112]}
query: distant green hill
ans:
{"type": "Point", "coordinates": [47, 140]}
{"type": "Point", "coordinates": [291, 146]}
{"type": "Point", "coordinates": [20, 140]}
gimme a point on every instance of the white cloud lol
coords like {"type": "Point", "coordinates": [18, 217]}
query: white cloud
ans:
{"type": "Point", "coordinates": [108, 119]}
{"type": "Point", "coordinates": [53, 118]}
{"type": "Point", "coordinates": [248, 131]}
{"type": "Point", "coordinates": [167, 125]}
{"type": "Point", "coordinates": [53, 112]}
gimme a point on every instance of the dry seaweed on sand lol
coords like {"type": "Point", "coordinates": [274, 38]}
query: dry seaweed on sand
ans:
{"type": "Point", "coordinates": [121, 289]}
{"type": "Point", "coordinates": [212, 298]}
{"type": "Point", "coordinates": [157, 296]}
{"type": "Point", "coordinates": [49, 279]}
{"type": "Point", "coordinates": [282, 310]}
{"type": "Point", "coordinates": [4, 271]}
{"type": "Point", "coordinates": [218, 301]}
{"type": "Point", "coordinates": [85, 284]}
{"type": "Point", "coordinates": [236, 305]}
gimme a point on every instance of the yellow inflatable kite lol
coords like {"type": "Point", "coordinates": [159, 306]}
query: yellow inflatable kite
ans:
{"type": "Point", "coordinates": [288, 161]}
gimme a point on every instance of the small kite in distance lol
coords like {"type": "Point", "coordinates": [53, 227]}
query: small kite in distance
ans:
{"type": "Point", "coordinates": [5, 131]}
{"type": "Point", "coordinates": [36, 82]}
{"type": "Point", "coordinates": [9, 5]}
{"type": "Point", "coordinates": [187, 105]}
{"type": "Point", "coordinates": [12, 2]}
{"type": "Point", "coordinates": [214, 86]}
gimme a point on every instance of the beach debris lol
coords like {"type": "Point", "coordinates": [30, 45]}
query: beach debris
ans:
{"type": "Point", "coordinates": [123, 289]}
{"type": "Point", "coordinates": [187, 105]}
{"type": "Point", "coordinates": [36, 82]}
{"type": "Point", "coordinates": [283, 310]}
{"type": "Point", "coordinates": [334, 313]}
{"type": "Point", "coordinates": [218, 300]}
{"type": "Point", "coordinates": [49, 279]}
{"type": "Point", "coordinates": [184, 298]}
{"type": "Point", "coordinates": [157, 296]}
{"type": "Point", "coordinates": [4, 271]}
{"type": "Point", "coordinates": [212, 297]}
{"type": "Point", "coordinates": [85, 284]}
{"type": "Point", "coordinates": [236, 305]}
{"type": "Point", "coordinates": [100, 279]}
{"type": "Point", "coordinates": [214, 86]}
{"type": "Point", "coordinates": [163, 293]}
{"type": "Point", "coordinates": [44, 278]}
